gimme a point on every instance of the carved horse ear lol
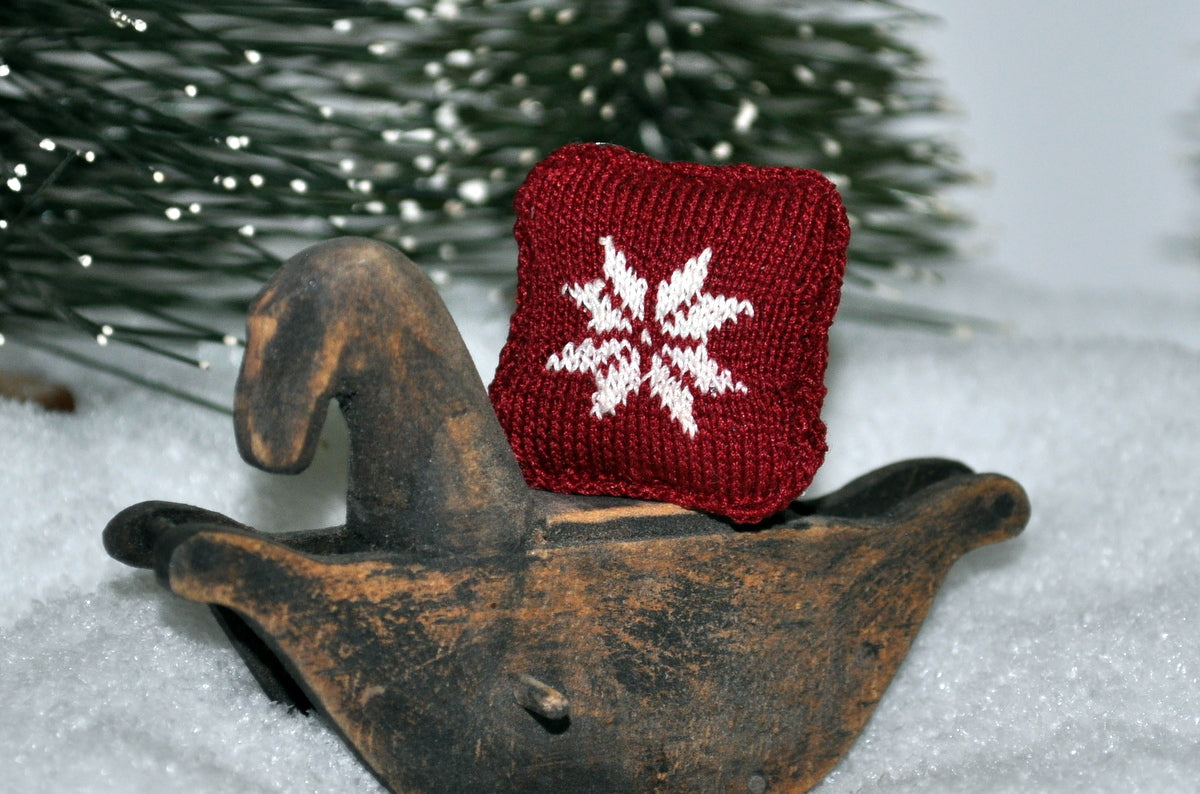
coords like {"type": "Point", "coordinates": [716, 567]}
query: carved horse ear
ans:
{"type": "Point", "coordinates": [355, 320]}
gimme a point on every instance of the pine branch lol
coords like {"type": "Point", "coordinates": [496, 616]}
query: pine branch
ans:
{"type": "Point", "coordinates": [161, 158]}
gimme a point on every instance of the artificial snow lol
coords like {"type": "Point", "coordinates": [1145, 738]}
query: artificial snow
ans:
{"type": "Point", "coordinates": [1065, 660]}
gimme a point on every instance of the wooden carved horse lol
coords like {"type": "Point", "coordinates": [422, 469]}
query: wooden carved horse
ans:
{"type": "Point", "coordinates": [463, 632]}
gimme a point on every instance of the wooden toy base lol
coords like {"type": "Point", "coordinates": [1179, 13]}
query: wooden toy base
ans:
{"type": "Point", "coordinates": [663, 657]}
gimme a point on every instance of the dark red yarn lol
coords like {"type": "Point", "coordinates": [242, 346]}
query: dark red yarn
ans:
{"type": "Point", "coordinates": [778, 241]}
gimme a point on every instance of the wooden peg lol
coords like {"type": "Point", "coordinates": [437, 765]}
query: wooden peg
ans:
{"type": "Point", "coordinates": [540, 698]}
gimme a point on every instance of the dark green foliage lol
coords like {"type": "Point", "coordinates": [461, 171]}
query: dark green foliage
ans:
{"type": "Point", "coordinates": [180, 150]}
{"type": "Point", "coordinates": [815, 85]}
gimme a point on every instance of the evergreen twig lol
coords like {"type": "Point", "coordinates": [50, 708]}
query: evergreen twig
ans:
{"type": "Point", "coordinates": [158, 159]}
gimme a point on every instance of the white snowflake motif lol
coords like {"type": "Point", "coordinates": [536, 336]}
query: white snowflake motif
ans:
{"type": "Point", "coordinates": [684, 315]}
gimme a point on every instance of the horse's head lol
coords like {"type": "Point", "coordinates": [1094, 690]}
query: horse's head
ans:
{"type": "Point", "coordinates": [354, 320]}
{"type": "Point", "coordinates": [296, 334]}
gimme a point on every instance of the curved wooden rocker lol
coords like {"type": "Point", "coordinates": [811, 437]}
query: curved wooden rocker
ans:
{"type": "Point", "coordinates": [463, 632]}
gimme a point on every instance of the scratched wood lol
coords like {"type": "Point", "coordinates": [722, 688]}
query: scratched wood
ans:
{"type": "Point", "coordinates": [465, 633]}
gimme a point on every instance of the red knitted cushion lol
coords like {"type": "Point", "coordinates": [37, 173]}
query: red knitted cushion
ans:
{"type": "Point", "coordinates": [670, 336]}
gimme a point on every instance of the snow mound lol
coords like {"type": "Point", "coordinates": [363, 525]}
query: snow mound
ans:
{"type": "Point", "coordinates": [1065, 660]}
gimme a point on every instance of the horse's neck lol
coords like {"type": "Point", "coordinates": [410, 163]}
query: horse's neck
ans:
{"type": "Point", "coordinates": [437, 480]}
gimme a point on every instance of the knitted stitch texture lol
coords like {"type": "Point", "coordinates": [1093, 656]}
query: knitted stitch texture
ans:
{"type": "Point", "coordinates": [671, 331]}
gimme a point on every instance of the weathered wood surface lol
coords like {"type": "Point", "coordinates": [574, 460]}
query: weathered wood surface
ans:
{"type": "Point", "coordinates": [465, 633]}
{"type": "Point", "coordinates": [27, 387]}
